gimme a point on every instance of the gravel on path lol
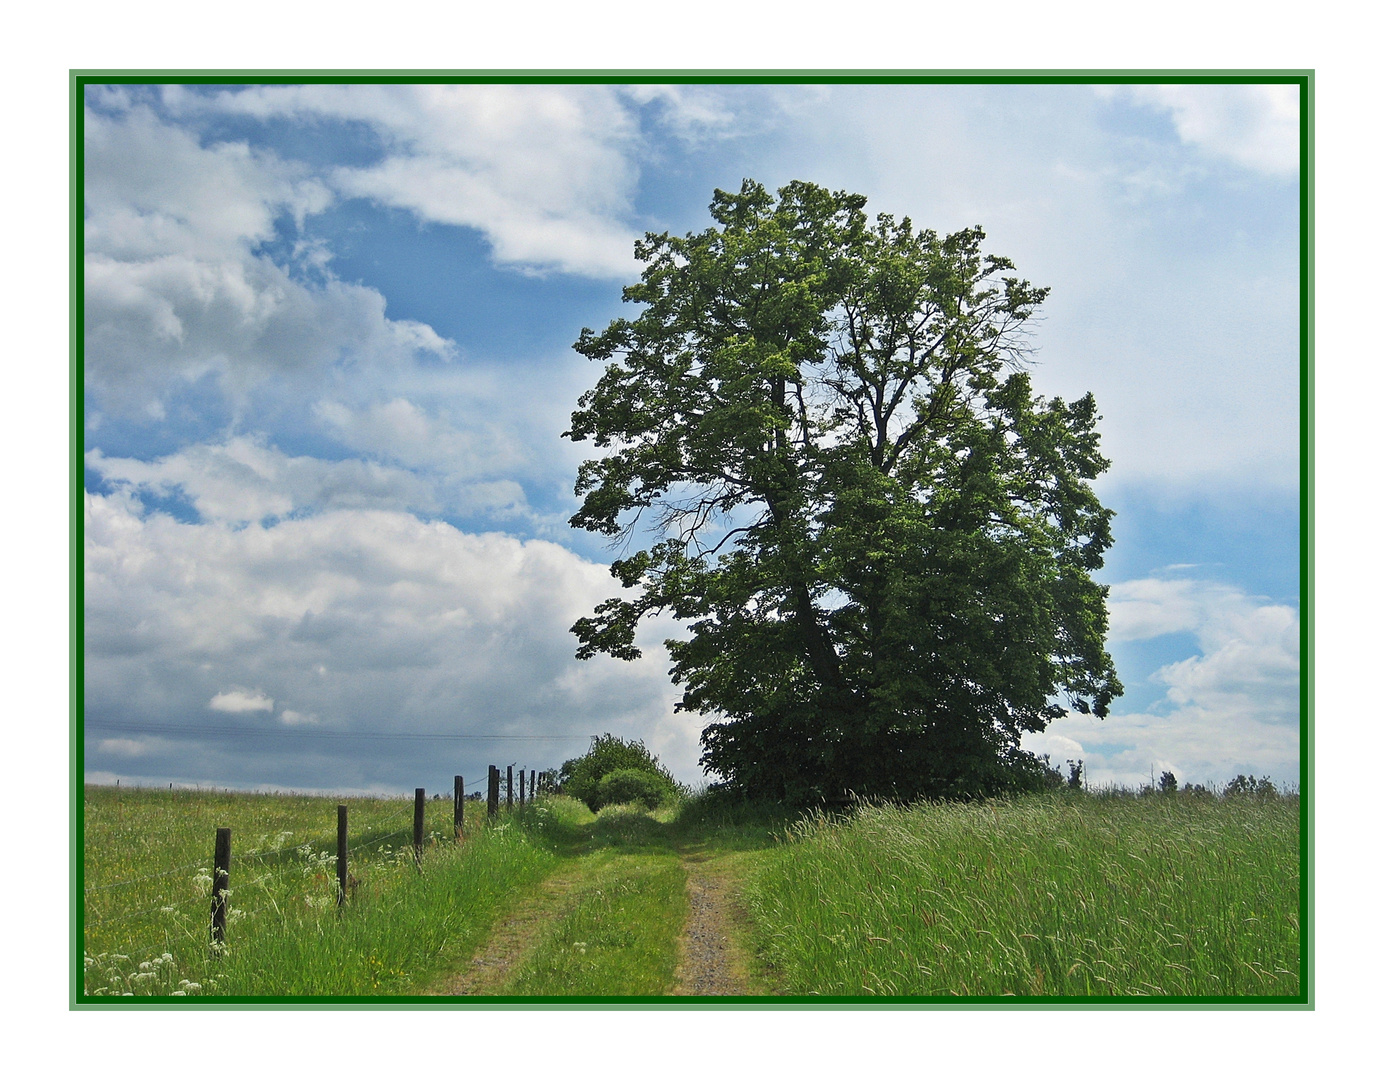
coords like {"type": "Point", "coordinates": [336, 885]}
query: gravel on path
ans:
{"type": "Point", "coordinates": [711, 964]}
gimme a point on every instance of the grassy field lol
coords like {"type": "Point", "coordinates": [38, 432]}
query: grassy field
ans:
{"type": "Point", "coordinates": [147, 869]}
{"type": "Point", "coordinates": [1054, 895]}
{"type": "Point", "coordinates": [1069, 894]}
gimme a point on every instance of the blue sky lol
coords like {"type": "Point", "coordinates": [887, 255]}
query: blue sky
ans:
{"type": "Point", "coordinates": [328, 360]}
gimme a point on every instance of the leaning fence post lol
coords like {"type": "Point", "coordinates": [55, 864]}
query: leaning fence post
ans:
{"type": "Point", "coordinates": [492, 794]}
{"type": "Point", "coordinates": [509, 788]}
{"type": "Point", "coordinates": [458, 806]}
{"type": "Point", "coordinates": [419, 799]}
{"type": "Point", "coordinates": [340, 855]}
{"type": "Point", "coordinates": [220, 882]}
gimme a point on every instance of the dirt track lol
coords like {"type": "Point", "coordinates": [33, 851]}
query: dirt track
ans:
{"type": "Point", "coordinates": [711, 964]}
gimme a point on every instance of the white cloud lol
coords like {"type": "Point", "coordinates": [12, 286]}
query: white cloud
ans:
{"type": "Point", "coordinates": [175, 288]}
{"type": "Point", "coordinates": [546, 173]}
{"type": "Point", "coordinates": [123, 747]}
{"type": "Point", "coordinates": [246, 479]}
{"type": "Point", "coordinates": [1152, 607]}
{"type": "Point", "coordinates": [289, 716]}
{"type": "Point", "coordinates": [1253, 126]}
{"type": "Point", "coordinates": [369, 621]}
{"type": "Point", "coordinates": [152, 189]}
{"type": "Point", "coordinates": [1177, 309]}
{"type": "Point", "coordinates": [694, 114]}
{"type": "Point", "coordinates": [404, 431]}
{"type": "Point", "coordinates": [1231, 708]}
{"type": "Point", "coordinates": [240, 701]}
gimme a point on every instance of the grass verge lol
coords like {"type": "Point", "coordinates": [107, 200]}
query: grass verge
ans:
{"type": "Point", "coordinates": [147, 869]}
{"type": "Point", "coordinates": [1053, 895]}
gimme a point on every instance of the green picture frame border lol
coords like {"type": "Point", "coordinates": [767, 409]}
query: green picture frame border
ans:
{"type": "Point", "coordinates": [1304, 79]}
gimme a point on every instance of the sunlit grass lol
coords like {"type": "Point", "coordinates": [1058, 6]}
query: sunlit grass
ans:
{"type": "Point", "coordinates": [147, 868]}
{"type": "Point", "coordinates": [619, 938]}
{"type": "Point", "coordinates": [1069, 896]}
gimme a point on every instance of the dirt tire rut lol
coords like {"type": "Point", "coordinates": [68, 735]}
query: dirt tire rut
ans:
{"type": "Point", "coordinates": [712, 965]}
{"type": "Point", "coordinates": [514, 935]}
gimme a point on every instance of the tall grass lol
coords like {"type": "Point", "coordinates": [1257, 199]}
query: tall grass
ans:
{"type": "Point", "coordinates": [147, 870]}
{"type": "Point", "coordinates": [1054, 895]}
{"type": "Point", "coordinates": [396, 939]}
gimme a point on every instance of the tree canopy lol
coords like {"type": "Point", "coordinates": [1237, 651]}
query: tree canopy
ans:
{"type": "Point", "coordinates": [881, 540]}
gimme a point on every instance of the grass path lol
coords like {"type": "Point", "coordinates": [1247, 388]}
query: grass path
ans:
{"type": "Point", "coordinates": [635, 907]}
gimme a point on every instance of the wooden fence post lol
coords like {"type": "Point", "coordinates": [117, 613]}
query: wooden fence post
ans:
{"type": "Point", "coordinates": [521, 789]}
{"type": "Point", "coordinates": [509, 788]}
{"type": "Point", "coordinates": [340, 856]}
{"type": "Point", "coordinates": [220, 882]}
{"type": "Point", "coordinates": [492, 794]}
{"type": "Point", "coordinates": [458, 805]}
{"type": "Point", "coordinates": [419, 801]}
{"type": "Point", "coordinates": [533, 784]}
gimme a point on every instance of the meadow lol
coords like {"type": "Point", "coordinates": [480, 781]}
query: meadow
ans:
{"type": "Point", "coordinates": [1067, 894]}
{"type": "Point", "coordinates": [147, 869]}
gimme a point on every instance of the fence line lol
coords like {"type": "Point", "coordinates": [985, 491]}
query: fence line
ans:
{"type": "Point", "coordinates": [222, 859]}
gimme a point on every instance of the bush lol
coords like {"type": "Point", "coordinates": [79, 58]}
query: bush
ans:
{"type": "Point", "coordinates": [632, 786]}
{"type": "Point", "coordinates": [581, 777]}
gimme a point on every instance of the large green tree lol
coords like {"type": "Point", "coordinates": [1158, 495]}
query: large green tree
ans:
{"type": "Point", "coordinates": [819, 432]}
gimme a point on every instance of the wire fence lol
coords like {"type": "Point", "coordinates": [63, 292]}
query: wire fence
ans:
{"type": "Point", "coordinates": [313, 857]}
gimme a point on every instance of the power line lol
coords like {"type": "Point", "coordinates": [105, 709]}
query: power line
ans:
{"type": "Point", "coordinates": [152, 729]}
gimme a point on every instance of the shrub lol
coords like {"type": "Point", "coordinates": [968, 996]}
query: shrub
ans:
{"type": "Point", "coordinates": [632, 786]}
{"type": "Point", "coordinates": [582, 776]}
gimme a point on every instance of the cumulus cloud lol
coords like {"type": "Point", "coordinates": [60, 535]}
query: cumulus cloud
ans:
{"type": "Point", "coordinates": [1231, 708]}
{"type": "Point", "coordinates": [1253, 126]}
{"type": "Point", "coordinates": [1178, 309]}
{"type": "Point", "coordinates": [176, 286]}
{"type": "Point", "coordinates": [545, 173]}
{"type": "Point", "coordinates": [153, 189]}
{"type": "Point", "coordinates": [1152, 607]}
{"type": "Point", "coordinates": [241, 701]}
{"type": "Point", "coordinates": [246, 479]}
{"type": "Point", "coordinates": [414, 436]}
{"type": "Point", "coordinates": [365, 620]}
